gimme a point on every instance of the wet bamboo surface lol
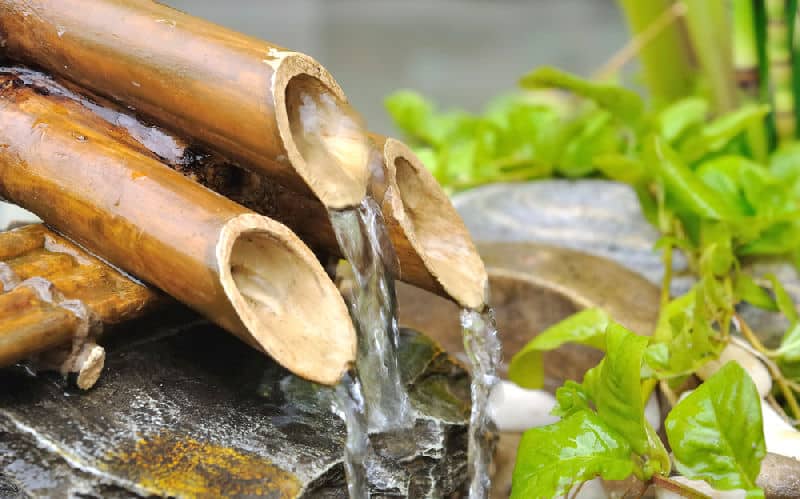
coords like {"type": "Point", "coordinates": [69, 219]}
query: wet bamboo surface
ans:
{"type": "Point", "coordinates": [94, 182]}
{"type": "Point", "coordinates": [230, 92]}
{"type": "Point", "coordinates": [434, 248]}
{"type": "Point", "coordinates": [32, 324]}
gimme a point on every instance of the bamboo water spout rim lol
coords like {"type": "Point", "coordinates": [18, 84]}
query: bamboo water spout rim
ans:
{"type": "Point", "coordinates": [227, 91]}
{"type": "Point", "coordinates": [278, 296]}
{"type": "Point", "coordinates": [247, 273]}
{"type": "Point", "coordinates": [432, 227]}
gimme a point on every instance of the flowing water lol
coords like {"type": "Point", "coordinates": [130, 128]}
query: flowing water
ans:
{"type": "Point", "coordinates": [349, 404]}
{"type": "Point", "coordinates": [484, 349]}
{"type": "Point", "coordinates": [373, 399]}
{"type": "Point", "coordinates": [362, 237]}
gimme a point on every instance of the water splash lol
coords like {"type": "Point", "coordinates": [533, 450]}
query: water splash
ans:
{"type": "Point", "coordinates": [349, 405]}
{"type": "Point", "coordinates": [362, 236]}
{"type": "Point", "coordinates": [484, 350]}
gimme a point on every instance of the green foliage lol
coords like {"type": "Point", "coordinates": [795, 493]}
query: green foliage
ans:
{"type": "Point", "coordinates": [586, 328]}
{"type": "Point", "coordinates": [716, 432]}
{"type": "Point", "coordinates": [603, 431]}
{"type": "Point", "coordinates": [705, 184]}
{"type": "Point", "coordinates": [553, 458]}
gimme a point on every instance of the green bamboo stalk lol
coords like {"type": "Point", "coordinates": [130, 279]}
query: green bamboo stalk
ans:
{"type": "Point", "coordinates": [780, 69]}
{"type": "Point", "coordinates": [708, 24]}
{"type": "Point", "coordinates": [746, 70]}
{"type": "Point", "coordinates": [764, 92]}
{"type": "Point", "coordinates": [666, 63]}
{"type": "Point", "coordinates": [745, 50]}
{"type": "Point", "coordinates": [794, 36]}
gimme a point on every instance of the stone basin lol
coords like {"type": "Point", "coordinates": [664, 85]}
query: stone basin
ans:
{"type": "Point", "coordinates": [533, 286]}
{"type": "Point", "coordinates": [184, 410]}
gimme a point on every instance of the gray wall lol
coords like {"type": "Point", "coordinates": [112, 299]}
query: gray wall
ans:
{"type": "Point", "coordinates": [460, 52]}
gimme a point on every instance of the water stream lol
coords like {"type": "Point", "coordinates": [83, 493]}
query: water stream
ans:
{"type": "Point", "coordinates": [348, 403]}
{"type": "Point", "coordinates": [484, 350]}
{"type": "Point", "coordinates": [362, 237]}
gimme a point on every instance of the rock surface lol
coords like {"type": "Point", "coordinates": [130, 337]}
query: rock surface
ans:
{"type": "Point", "coordinates": [602, 218]}
{"type": "Point", "coordinates": [189, 411]}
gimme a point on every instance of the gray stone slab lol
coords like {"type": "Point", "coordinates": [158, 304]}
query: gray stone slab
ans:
{"type": "Point", "coordinates": [186, 410]}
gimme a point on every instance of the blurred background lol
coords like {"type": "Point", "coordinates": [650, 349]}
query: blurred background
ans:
{"type": "Point", "coordinates": [457, 52]}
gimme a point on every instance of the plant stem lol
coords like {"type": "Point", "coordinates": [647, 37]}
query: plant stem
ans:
{"type": "Point", "coordinates": [667, 279]}
{"type": "Point", "coordinates": [667, 70]}
{"type": "Point", "coordinates": [709, 31]}
{"type": "Point", "coordinates": [774, 370]}
{"type": "Point", "coordinates": [678, 488]}
{"type": "Point", "coordinates": [639, 42]}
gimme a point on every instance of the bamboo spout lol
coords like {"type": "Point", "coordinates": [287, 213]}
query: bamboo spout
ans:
{"type": "Point", "coordinates": [30, 325]}
{"type": "Point", "coordinates": [267, 108]}
{"type": "Point", "coordinates": [434, 247]}
{"type": "Point", "coordinates": [248, 273]}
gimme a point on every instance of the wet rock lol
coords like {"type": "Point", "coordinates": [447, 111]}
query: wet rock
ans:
{"type": "Point", "coordinates": [186, 410]}
{"type": "Point", "coordinates": [602, 218]}
{"type": "Point", "coordinates": [779, 477]}
{"type": "Point", "coordinates": [599, 217]}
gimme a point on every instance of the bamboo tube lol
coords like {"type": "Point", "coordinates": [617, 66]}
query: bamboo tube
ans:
{"type": "Point", "coordinates": [433, 247]}
{"type": "Point", "coordinates": [271, 110]}
{"type": "Point", "coordinates": [745, 52]}
{"type": "Point", "coordinates": [249, 274]}
{"type": "Point", "coordinates": [31, 325]}
{"type": "Point", "coordinates": [666, 64]}
{"type": "Point", "coordinates": [708, 25]}
{"type": "Point", "coordinates": [780, 69]}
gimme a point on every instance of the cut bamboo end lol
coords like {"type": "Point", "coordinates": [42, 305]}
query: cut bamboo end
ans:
{"type": "Point", "coordinates": [431, 229]}
{"type": "Point", "coordinates": [324, 139]}
{"type": "Point", "coordinates": [285, 299]}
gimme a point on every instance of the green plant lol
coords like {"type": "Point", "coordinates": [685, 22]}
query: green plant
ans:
{"type": "Point", "coordinates": [700, 183]}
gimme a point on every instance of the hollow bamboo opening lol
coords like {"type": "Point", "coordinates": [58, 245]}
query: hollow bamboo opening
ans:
{"type": "Point", "coordinates": [274, 283]}
{"type": "Point", "coordinates": [432, 227]}
{"type": "Point", "coordinates": [324, 138]}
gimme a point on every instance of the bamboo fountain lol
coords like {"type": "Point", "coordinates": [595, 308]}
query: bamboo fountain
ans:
{"type": "Point", "coordinates": [255, 165]}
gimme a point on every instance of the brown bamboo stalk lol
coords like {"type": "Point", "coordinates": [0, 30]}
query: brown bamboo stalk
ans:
{"type": "Point", "coordinates": [241, 96]}
{"type": "Point", "coordinates": [434, 248]}
{"type": "Point", "coordinates": [31, 325]}
{"type": "Point", "coordinates": [248, 273]}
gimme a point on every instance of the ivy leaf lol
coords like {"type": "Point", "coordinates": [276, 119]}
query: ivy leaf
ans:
{"type": "Point", "coordinates": [571, 397]}
{"type": "Point", "coordinates": [748, 290]}
{"type": "Point", "coordinates": [615, 386]}
{"type": "Point", "coordinates": [717, 134]}
{"type": "Point", "coordinates": [551, 459]}
{"type": "Point", "coordinates": [623, 103]}
{"type": "Point", "coordinates": [716, 432]}
{"type": "Point", "coordinates": [782, 298]}
{"type": "Point", "coordinates": [789, 351]}
{"type": "Point", "coordinates": [587, 327]}
{"type": "Point", "coordinates": [685, 189]}
{"type": "Point", "coordinates": [679, 117]}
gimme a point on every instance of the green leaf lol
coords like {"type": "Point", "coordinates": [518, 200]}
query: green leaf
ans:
{"type": "Point", "coordinates": [410, 111]}
{"type": "Point", "coordinates": [552, 459]}
{"type": "Point", "coordinates": [720, 132]}
{"type": "Point", "coordinates": [683, 186]}
{"type": "Point", "coordinates": [681, 116]}
{"type": "Point", "coordinates": [782, 298]}
{"type": "Point", "coordinates": [716, 432]}
{"type": "Point", "coordinates": [571, 397]}
{"type": "Point", "coordinates": [748, 290]}
{"type": "Point", "coordinates": [789, 351]}
{"type": "Point", "coordinates": [615, 386]}
{"type": "Point", "coordinates": [587, 327]}
{"type": "Point", "coordinates": [623, 103]}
